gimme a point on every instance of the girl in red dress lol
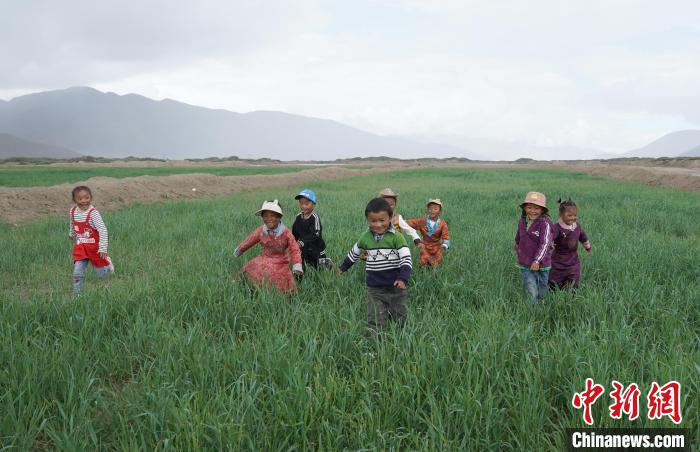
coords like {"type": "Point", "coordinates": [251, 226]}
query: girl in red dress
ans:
{"type": "Point", "coordinates": [279, 249]}
{"type": "Point", "coordinates": [90, 239]}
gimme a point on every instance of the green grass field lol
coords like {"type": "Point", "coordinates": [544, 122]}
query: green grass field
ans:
{"type": "Point", "coordinates": [173, 355]}
{"type": "Point", "coordinates": [46, 175]}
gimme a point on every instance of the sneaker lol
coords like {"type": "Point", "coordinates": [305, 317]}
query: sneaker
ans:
{"type": "Point", "coordinates": [325, 263]}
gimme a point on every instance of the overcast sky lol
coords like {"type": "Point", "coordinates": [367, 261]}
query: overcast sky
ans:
{"type": "Point", "coordinates": [605, 74]}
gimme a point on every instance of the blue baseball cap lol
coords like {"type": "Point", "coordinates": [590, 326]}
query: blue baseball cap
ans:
{"type": "Point", "coordinates": [308, 194]}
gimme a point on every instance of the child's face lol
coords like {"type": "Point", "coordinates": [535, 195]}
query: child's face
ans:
{"type": "Point", "coordinates": [391, 201]}
{"type": "Point", "coordinates": [569, 215]}
{"type": "Point", "coordinates": [306, 206]}
{"type": "Point", "coordinates": [378, 221]}
{"type": "Point", "coordinates": [533, 211]}
{"type": "Point", "coordinates": [83, 199]}
{"type": "Point", "coordinates": [271, 219]}
{"type": "Point", "coordinates": [433, 210]}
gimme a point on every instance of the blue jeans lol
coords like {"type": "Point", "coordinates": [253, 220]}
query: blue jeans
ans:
{"type": "Point", "coordinates": [79, 273]}
{"type": "Point", "coordinates": [535, 284]}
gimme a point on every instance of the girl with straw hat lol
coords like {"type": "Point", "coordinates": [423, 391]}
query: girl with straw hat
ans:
{"type": "Point", "coordinates": [533, 244]}
{"type": "Point", "coordinates": [279, 249]}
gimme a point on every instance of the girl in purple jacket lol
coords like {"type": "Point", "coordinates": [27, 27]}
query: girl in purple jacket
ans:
{"type": "Point", "coordinates": [533, 243]}
{"type": "Point", "coordinates": [566, 268]}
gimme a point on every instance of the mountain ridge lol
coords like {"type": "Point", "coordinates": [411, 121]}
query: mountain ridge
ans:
{"type": "Point", "coordinates": [111, 125]}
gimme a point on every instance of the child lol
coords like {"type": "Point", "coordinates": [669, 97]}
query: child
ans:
{"type": "Point", "coordinates": [307, 229]}
{"type": "Point", "coordinates": [532, 243]}
{"type": "Point", "coordinates": [566, 268]}
{"type": "Point", "coordinates": [436, 235]}
{"type": "Point", "coordinates": [89, 234]}
{"type": "Point", "coordinates": [279, 247]}
{"type": "Point", "coordinates": [397, 220]}
{"type": "Point", "coordinates": [388, 267]}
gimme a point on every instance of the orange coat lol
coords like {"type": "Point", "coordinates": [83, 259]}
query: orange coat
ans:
{"type": "Point", "coordinates": [432, 253]}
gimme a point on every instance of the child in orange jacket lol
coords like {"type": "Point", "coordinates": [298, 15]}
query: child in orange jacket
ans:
{"type": "Point", "coordinates": [436, 235]}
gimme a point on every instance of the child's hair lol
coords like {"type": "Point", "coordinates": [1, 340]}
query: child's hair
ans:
{"type": "Point", "coordinates": [378, 205]}
{"type": "Point", "coordinates": [80, 188]}
{"type": "Point", "coordinates": [568, 204]}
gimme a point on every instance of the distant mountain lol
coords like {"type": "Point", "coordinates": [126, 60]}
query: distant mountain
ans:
{"type": "Point", "coordinates": [674, 144]}
{"type": "Point", "coordinates": [109, 125]}
{"type": "Point", "coordinates": [11, 146]}
{"type": "Point", "coordinates": [489, 149]}
{"type": "Point", "coordinates": [695, 152]}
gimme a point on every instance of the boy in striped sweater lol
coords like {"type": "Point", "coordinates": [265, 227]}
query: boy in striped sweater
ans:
{"type": "Point", "coordinates": [388, 267]}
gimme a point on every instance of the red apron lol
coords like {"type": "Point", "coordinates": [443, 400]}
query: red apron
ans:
{"type": "Point", "coordinates": [87, 241]}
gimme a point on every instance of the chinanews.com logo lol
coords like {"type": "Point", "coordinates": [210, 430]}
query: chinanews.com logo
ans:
{"type": "Point", "coordinates": [662, 401]}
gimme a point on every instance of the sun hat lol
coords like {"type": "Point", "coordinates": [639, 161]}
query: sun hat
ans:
{"type": "Point", "coordinates": [388, 193]}
{"type": "Point", "coordinates": [308, 194]}
{"type": "Point", "coordinates": [434, 201]}
{"type": "Point", "coordinates": [272, 206]}
{"type": "Point", "coordinates": [536, 198]}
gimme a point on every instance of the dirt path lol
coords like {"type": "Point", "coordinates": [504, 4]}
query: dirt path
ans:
{"type": "Point", "coordinates": [23, 204]}
{"type": "Point", "coordinates": [687, 179]}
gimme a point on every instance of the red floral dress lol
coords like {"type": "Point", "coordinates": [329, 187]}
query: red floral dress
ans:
{"type": "Point", "coordinates": [272, 265]}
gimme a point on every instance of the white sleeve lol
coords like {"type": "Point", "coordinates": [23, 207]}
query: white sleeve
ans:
{"type": "Point", "coordinates": [97, 223]}
{"type": "Point", "coordinates": [407, 229]}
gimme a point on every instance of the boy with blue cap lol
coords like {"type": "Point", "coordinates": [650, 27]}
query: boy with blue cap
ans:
{"type": "Point", "coordinates": [307, 229]}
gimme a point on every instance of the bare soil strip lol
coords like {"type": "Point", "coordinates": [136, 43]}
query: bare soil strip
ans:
{"type": "Point", "coordinates": [24, 204]}
{"type": "Point", "coordinates": [687, 179]}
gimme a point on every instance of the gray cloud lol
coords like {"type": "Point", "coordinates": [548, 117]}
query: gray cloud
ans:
{"type": "Point", "coordinates": [47, 43]}
{"type": "Point", "coordinates": [589, 74]}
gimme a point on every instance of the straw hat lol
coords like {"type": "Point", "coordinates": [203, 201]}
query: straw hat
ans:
{"type": "Point", "coordinates": [388, 193]}
{"type": "Point", "coordinates": [536, 198]}
{"type": "Point", "coordinates": [434, 201]}
{"type": "Point", "coordinates": [272, 206]}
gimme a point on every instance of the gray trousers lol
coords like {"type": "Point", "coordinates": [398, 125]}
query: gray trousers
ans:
{"type": "Point", "coordinates": [383, 304]}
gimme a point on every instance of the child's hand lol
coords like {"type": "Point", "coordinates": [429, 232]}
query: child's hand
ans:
{"type": "Point", "coordinates": [103, 255]}
{"type": "Point", "coordinates": [298, 272]}
{"type": "Point", "coordinates": [400, 284]}
{"type": "Point", "coordinates": [419, 244]}
{"type": "Point", "coordinates": [588, 250]}
{"type": "Point", "coordinates": [535, 266]}
{"type": "Point", "coordinates": [339, 271]}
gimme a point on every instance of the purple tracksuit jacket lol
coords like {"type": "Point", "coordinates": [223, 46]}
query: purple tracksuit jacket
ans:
{"type": "Point", "coordinates": [534, 242]}
{"type": "Point", "coordinates": [565, 262]}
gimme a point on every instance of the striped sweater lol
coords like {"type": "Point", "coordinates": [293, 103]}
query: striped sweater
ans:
{"type": "Point", "coordinates": [95, 221]}
{"type": "Point", "coordinates": [388, 258]}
